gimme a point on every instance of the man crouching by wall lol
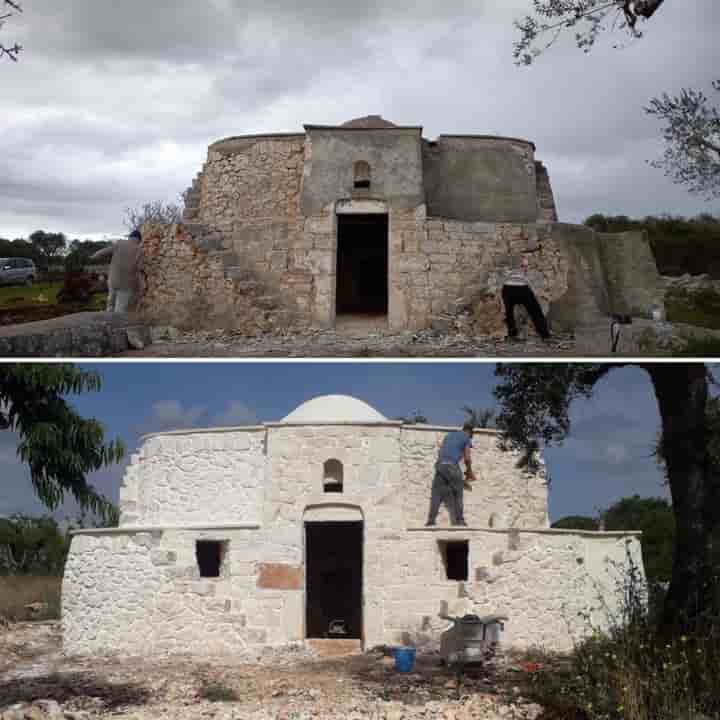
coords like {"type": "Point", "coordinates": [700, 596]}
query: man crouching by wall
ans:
{"type": "Point", "coordinates": [448, 484]}
{"type": "Point", "coordinates": [517, 291]}
{"type": "Point", "coordinates": [122, 280]}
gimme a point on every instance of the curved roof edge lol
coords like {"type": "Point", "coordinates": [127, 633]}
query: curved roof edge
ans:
{"type": "Point", "coordinates": [488, 137]}
{"type": "Point", "coordinates": [255, 136]}
{"type": "Point", "coordinates": [282, 423]}
{"type": "Point", "coordinates": [363, 129]}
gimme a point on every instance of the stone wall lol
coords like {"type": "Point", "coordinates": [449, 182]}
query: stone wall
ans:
{"type": "Point", "coordinates": [141, 592]}
{"type": "Point", "coordinates": [184, 284]}
{"type": "Point", "coordinates": [259, 250]}
{"type": "Point", "coordinates": [195, 477]}
{"type": "Point", "coordinates": [138, 589]}
{"type": "Point", "coordinates": [442, 264]}
{"type": "Point", "coordinates": [504, 495]}
{"type": "Point", "coordinates": [543, 582]}
{"type": "Point", "coordinates": [481, 178]}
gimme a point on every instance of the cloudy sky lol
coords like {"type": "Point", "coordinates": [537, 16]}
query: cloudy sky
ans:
{"type": "Point", "coordinates": [114, 104]}
{"type": "Point", "coordinates": [607, 456]}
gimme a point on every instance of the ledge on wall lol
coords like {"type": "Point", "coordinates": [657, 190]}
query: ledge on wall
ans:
{"type": "Point", "coordinates": [531, 531]}
{"type": "Point", "coordinates": [132, 529]}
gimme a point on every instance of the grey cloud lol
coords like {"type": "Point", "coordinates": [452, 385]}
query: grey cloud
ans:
{"type": "Point", "coordinates": [236, 413]}
{"type": "Point", "coordinates": [113, 105]}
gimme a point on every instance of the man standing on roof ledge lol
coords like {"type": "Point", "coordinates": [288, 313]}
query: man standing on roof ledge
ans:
{"type": "Point", "coordinates": [449, 484]}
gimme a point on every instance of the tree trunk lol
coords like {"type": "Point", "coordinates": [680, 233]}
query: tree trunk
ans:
{"type": "Point", "coordinates": [682, 391]}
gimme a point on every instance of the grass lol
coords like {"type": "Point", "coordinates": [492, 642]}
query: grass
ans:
{"type": "Point", "coordinates": [701, 308]}
{"type": "Point", "coordinates": [17, 591]}
{"type": "Point", "coordinates": [44, 293]}
{"type": "Point", "coordinates": [217, 692]}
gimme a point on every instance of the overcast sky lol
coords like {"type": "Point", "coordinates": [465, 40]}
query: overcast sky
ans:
{"type": "Point", "coordinates": [113, 104]}
{"type": "Point", "coordinates": [607, 456]}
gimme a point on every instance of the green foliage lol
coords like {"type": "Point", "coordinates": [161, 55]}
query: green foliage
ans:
{"type": "Point", "coordinates": [85, 248]}
{"type": "Point", "coordinates": [217, 692]}
{"type": "Point", "coordinates": [32, 546]}
{"type": "Point", "coordinates": [680, 245]}
{"type": "Point", "coordinates": [654, 517]}
{"type": "Point", "coordinates": [576, 522]}
{"type": "Point", "coordinates": [59, 446]}
{"type": "Point", "coordinates": [480, 417]}
{"type": "Point", "coordinates": [535, 399]}
{"type": "Point", "coordinates": [48, 244]}
{"type": "Point", "coordinates": [692, 140]}
{"type": "Point", "coordinates": [20, 248]}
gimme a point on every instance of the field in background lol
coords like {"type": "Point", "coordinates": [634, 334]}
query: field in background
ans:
{"type": "Point", "coordinates": [18, 591]}
{"type": "Point", "coordinates": [44, 293]}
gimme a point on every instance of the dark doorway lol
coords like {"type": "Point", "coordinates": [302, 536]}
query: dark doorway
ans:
{"type": "Point", "coordinates": [362, 264]}
{"type": "Point", "coordinates": [333, 556]}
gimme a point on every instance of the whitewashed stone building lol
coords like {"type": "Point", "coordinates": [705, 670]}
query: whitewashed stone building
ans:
{"type": "Point", "coordinates": [238, 538]}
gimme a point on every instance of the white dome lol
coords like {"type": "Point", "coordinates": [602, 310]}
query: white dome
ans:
{"type": "Point", "coordinates": [334, 408]}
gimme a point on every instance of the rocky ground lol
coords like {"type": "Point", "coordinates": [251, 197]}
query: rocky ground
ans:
{"type": "Point", "coordinates": [37, 682]}
{"type": "Point", "coordinates": [169, 342]}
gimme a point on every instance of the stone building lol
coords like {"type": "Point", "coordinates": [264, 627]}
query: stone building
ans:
{"type": "Point", "coordinates": [370, 219]}
{"type": "Point", "coordinates": [239, 538]}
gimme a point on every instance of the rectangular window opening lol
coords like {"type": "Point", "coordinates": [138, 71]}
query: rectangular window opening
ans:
{"type": "Point", "coordinates": [210, 554]}
{"type": "Point", "coordinates": [455, 556]}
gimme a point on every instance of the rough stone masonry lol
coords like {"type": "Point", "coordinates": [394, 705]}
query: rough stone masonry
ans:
{"type": "Point", "coordinates": [369, 218]}
{"type": "Point", "coordinates": [234, 539]}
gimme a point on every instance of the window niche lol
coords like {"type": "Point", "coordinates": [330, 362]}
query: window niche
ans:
{"type": "Point", "coordinates": [362, 175]}
{"type": "Point", "coordinates": [333, 476]}
{"type": "Point", "coordinates": [455, 555]}
{"type": "Point", "coordinates": [210, 555]}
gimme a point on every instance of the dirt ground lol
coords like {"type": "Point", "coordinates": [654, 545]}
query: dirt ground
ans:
{"type": "Point", "coordinates": [293, 684]}
{"type": "Point", "coordinates": [350, 343]}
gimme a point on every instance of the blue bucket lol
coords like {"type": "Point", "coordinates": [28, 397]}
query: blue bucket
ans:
{"type": "Point", "coordinates": [404, 659]}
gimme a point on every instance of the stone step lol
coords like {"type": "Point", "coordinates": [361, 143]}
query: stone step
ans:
{"type": "Point", "coordinates": [334, 648]}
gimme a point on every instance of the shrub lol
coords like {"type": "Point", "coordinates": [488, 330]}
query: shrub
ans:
{"type": "Point", "coordinates": [635, 670]}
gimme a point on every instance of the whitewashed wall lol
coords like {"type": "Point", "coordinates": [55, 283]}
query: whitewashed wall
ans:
{"type": "Point", "coordinates": [135, 591]}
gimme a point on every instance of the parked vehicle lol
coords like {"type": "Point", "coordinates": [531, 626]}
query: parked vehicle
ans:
{"type": "Point", "coordinates": [17, 271]}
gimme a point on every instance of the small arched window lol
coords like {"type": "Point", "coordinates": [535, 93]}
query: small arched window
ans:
{"type": "Point", "coordinates": [362, 175]}
{"type": "Point", "coordinates": [333, 476]}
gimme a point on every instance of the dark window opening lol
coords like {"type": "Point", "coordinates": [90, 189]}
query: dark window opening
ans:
{"type": "Point", "coordinates": [455, 557]}
{"type": "Point", "coordinates": [333, 557]}
{"type": "Point", "coordinates": [333, 476]}
{"type": "Point", "coordinates": [362, 264]}
{"type": "Point", "coordinates": [209, 555]}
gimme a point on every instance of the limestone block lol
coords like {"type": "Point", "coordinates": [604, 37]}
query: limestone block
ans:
{"type": "Point", "coordinates": [277, 576]}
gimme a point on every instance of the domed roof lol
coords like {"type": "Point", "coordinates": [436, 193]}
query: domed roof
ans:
{"type": "Point", "coordinates": [334, 408]}
{"type": "Point", "coordinates": [368, 122]}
